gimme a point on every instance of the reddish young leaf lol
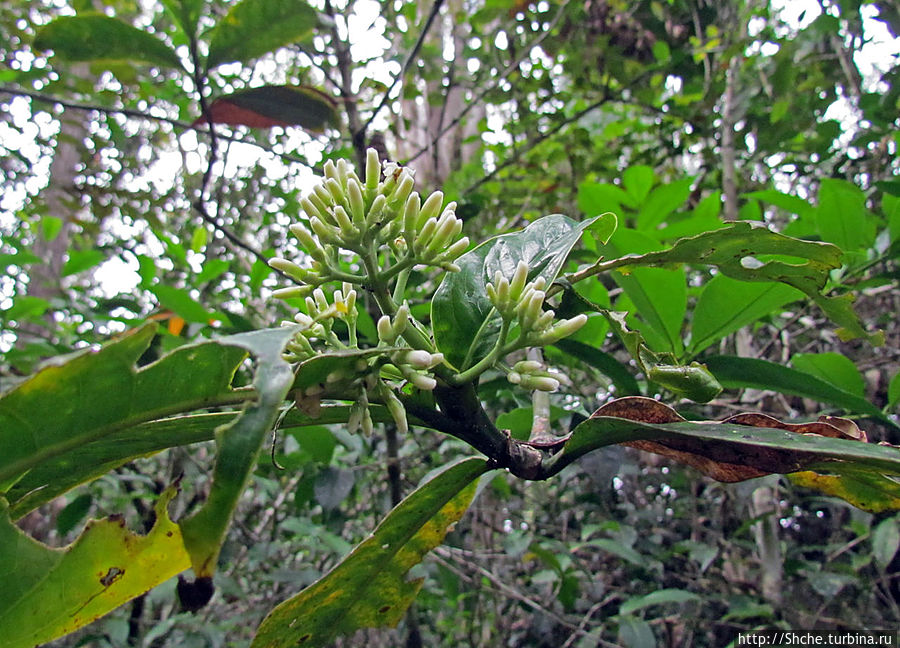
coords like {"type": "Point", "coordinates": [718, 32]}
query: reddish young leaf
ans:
{"type": "Point", "coordinates": [268, 106]}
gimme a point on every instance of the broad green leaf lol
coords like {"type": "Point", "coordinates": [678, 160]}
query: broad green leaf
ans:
{"type": "Point", "coordinates": [635, 633]}
{"type": "Point", "coordinates": [81, 260]}
{"type": "Point", "coordinates": [784, 201]}
{"type": "Point", "coordinates": [736, 373]}
{"type": "Point", "coordinates": [103, 39]}
{"type": "Point", "coordinates": [661, 202]}
{"type": "Point", "coordinates": [180, 301]}
{"type": "Point", "coordinates": [61, 473]}
{"type": "Point", "coordinates": [48, 592]}
{"type": "Point", "coordinates": [619, 549]}
{"type": "Point", "coordinates": [832, 367]}
{"type": "Point", "coordinates": [268, 106]}
{"type": "Point", "coordinates": [842, 217]}
{"type": "Point", "coordinates": [885, 542]}
{"type": "Point", "coordinates": [465, 323]}
{"type": "Point", "coordinates": [238, 446]}
{"type": "Point", "coordinates": [659, 294]}
{"type": "Point", "coordinates": [256, 27]}
{"type": "Point", "coordinates": [369, 587]}
{"type": "Point", "coordinates": [659, 597]}
{"type": "Point", "coordinates": [726, 305]}
{"type": "Point", "coordinates": [751, 252]}
{"type": "Point", "coordinates": [595, 198]}
{"type": "Point", "coordinates": [74, 512]}
{"type": "Point", "coordinates": [638, 181]}
{"type": "Point", "coordinates": [92, 394]}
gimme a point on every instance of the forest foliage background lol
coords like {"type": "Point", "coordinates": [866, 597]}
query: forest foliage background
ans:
{"type": "Point", "coordinates": [680, 116]}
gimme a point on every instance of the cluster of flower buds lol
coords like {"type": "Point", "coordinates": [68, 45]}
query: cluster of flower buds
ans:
{"type": "Point", "coordinates": [364, 216]}
{"type": "Point", "coordinates": [519, 302]}
{"type": "Point", "coordinates": [412, 364]}
{"type": "Point", "coordinates": [318, 319]}
{"type": "Point", "coordinates": [531, 375]}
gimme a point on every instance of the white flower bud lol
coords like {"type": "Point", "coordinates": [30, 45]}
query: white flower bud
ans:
{"type": "Point", "coordinates": [373, 172]}
{"type": "Point", "coordinates": [520, 276]}
{"type": "Point", "coordinates": [289, 268]}
{"type": "Point", "coordinates": [562, 329]}
{"type": "Point", "coordinates": [385, 330]}
{"type": "Point", "coordinates": [540, 383]}
{"type": "Point", "coordinates": [355, 197]}
{"type": "Point", "coordinates": [411, 213]}
{"type": "Point", "coordinates": [528, 366]}
{"type": "Point", "coordinates": [423, 382]}
{"type": "Point", "coordinates": [430, 209]}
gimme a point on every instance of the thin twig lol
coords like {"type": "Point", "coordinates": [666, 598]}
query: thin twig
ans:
{"type": "Point", "coordinates": [435, 9]}
{"type": "Point", "coordinates": [489, 87]}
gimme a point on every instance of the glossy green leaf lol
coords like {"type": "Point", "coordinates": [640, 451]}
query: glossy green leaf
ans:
{"type": "Point", "coordinates": [267, 106]}
{"type": "Point", "coordinates": [737, 373]}
{"type": "Point", "coordinates": [595, 198]}
{"type": "Point", "coordinates": [252, 28]}
{"type": "Point", "coordinates": [842, 217]}
{"type": "Point", "coordinates": [832, 367]}
{"type": "Point", "coordinates": [638, 181]}
{"type": "Point", "coordinates": [48, 592]}
{"type": "Point", "coordinates": [238, 446]}
{"type": "Point", "coordinates": [369, 587]}
{"type": "Point", "coordinates": [659, 597]}
{"type": "Point", "coordinates": [101, 38]}
{"type": "Point", "coordinates": [726, 305]}
{"type": "Point", "coordinates": [465, 323]}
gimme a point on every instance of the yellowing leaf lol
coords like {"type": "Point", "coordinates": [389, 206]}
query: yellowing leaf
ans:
{"type": "Point", "coordinates": [48, 592]}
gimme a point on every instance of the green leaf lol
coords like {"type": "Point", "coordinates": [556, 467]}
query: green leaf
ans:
{"type": "Point", "coordinates": [50, 592]}
{"type": "Point", "coordinates": [885, 542]}
{"type": "Point", "coordinates": [238, 446]}
{"type": "Point", "coordinates": [638, 181]}
{"type": "Point", "coordinates": [369, 587]}
{"type": "Point", "coordinates": [737, 373]}
{"type": "Point", "coordinates": [73, 513]}
{"type": "Point", "coordinates": [268, 106]}
{"type": "Point", "coordinates": [659, 597]}
{"type": "Point", "coordinates": [186, 13]}
{"type": "Point", "coordinates": [787, 202]}
{"type": "Point", "coordinates": [595, 198]}
{"type": "Point", "coordinates": [465, 323]}
{"type": "Point", "coordinates": [180, 301]}
{"type": "Point", "coordinates": [751, 252]}
{"type": "Point", "coordinates": [103, 39]}
{"type": "Point", "coordinates": [663, 201]}
{"type": "Point", "coordinates": [92, 394]}
{"type": "Point", "coordinates": [659, 295]}
{"type": "Point", "coordinates": [635, 633]}
{"type": "Point", "coordinates": [726, 305]}
{"type": "Point", "coordinates": [625, 383]}
{"type": "Point", "coordinates": [766, 450]}
{"type": "Point", "coordinates": [894, 391]}
{"type": "Point", "coordinates": [81, 260]}
{"type": "Point", "coordinates": [842, 217]}
{"type": "Point", "coordinates": [832, 367]}
{"type": "Point", "coordinates": [256, 27]}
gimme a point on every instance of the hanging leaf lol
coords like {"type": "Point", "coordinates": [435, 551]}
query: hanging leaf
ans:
{"type": "Point", "coordinates": [368, 589]}
{"type": "Point", "coordinates": [739, 448]}
{"type": "Point", "coordinates": [48, 593]}
{"type": "Point", "coordinates": [256, 27]}
{"type": "Point", "coordinates": [238, 446]}
{"type": "Point", "coordinates": [268, 106]}
{"type": "Point", "coordinates": [465, 323]}
{"type": "Point", "coordinates": [101, 38]}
